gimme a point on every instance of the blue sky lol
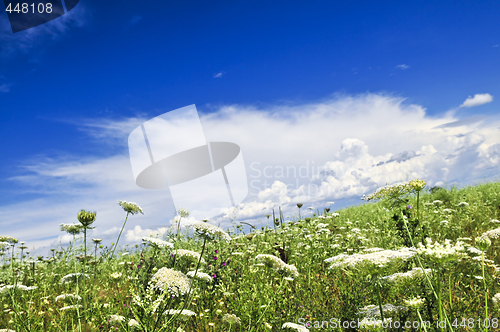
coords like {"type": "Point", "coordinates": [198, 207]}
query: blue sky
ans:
{"type": "Point", "coordinates": [341, 84]}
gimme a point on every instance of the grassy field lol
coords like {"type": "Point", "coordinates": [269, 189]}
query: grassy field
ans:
{"type": "Point", "coordinates": [408, 255]}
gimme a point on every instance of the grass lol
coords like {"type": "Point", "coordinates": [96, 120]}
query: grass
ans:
{"type": "Point", "coordinates": [247, 294]}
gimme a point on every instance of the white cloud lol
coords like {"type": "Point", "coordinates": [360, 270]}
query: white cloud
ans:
{"type": "Point", "coordinates": [403, 66]}
{"type": "Point", "coordinates": [332, 150]}
{"type": "Point", "coordinates": [478, 99]}
{"type": "Point", "coordinates": [5, 87]}
{"type": "Point", "coordinates": [218, 75]}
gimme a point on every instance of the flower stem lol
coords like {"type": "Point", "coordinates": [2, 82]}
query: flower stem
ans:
{"type": "Point", "coordinates": [116, 244]}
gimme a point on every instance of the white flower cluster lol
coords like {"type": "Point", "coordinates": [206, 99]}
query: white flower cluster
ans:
{"type": "Point", "coordinates": [184, 314]}
{"type": "Point", "coordinates": [295, 327]}
{"type": "Point", "coordinates": [158, 243]}
{"type": "Point", "coordinates": [189, 254]}
{"type": "Point", "coordinates": [5, 289]}
{"type": "Point", "coordinates": [200, 275]}
{"type": "Point", "coordinates": [130, 207]}
{"type": "Point", "coordinates": [379, 258]}
{"type": "Point", "coordinates": [439, 253]}
{"type": "Point", "coordinates": [231, 319]}
{"type": "Point", "coordinates": [207, 229]}
{"type": "Point", "coordinates": [413, 273]}
{"type": "Point", "coordinates": [321, 225]}
{"type": "Point", "coordinates": [71, 307]}
{"type": "Point", "coordinates": [496, 299]}
{"type": "Point", "coordinates": [72, 277]}
{"type": "Point", "coordinates": [278, 265]}
{"type": "Point", "coordinates": [4, 244]}
{"type": "Point", "coordinates": [169, 280]}
{"type": "Point", "coordinates": [116, 318]}
{"type": "Point", "coordinates": [63, 297]}
{"type": "Point", "coordinates": [10, 239]}
{"type": "Point", "coordinates": [373, 310]}
{"type": "Point", "coordinates": [395, 190]}
{"type": "Point", "coordinates": [415, 302]}
{"type": "Point", "coordinates": [492, 234]}
{"type": "Point", "coordinates": [371, 323]}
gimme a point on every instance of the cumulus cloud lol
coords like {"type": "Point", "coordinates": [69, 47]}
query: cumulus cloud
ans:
{"type": "Point", "coordinates": [336, 149]}
{"type": "Point", "coordinates": [478, 99]}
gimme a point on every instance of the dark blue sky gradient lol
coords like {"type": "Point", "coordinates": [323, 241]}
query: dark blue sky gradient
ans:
{"type": "Point", "coordinates": [131, 57]}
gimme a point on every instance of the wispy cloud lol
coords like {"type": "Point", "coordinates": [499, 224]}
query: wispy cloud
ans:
{"type": "Point", "coordinates": [403, 66]}
{"type": "Point", "coordinates": [5, 87]}
{"type": "Point", "coordinates": [25, 41]}
{"type": "Point", "coordinates": [478, 99]}
{"type": "Point", "coordinates": [218, 75]}
{"type": "Point", "coordinates": [332, 150]}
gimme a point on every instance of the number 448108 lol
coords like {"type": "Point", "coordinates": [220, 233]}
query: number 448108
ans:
{"type": "Point", "coordinates": [25, 8]}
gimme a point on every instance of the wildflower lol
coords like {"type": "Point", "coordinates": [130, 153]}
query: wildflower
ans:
{"type": "Point", "coordinates": [72, 229]}
{"type": "Point", "coordinates": [473, 250]}
{"type": "Point", "coordinates": [390, 191]}
{"type": "Point", "coordinates": [413, 273]}
{"type": "Point", "coordinates": [200, 275]}
{"type": "Point", "coordinates": [190, 254]}
{"type": "Point", "coordinates": [10, 239]}
{"type": "Point", "coordinates": [496, 299]}
{"type": "Point", "coordinates": [417, 184]}
{"type": "Point", "coordinates": [116, 318]}
{"type": "Point", "coordinates": [86, 218]}
{"type": "Point", "coordinates": [415, 302]}
{"type": "Point", "coordinates": [437, 202]}
{"type": "Point", "coordinates": [379, 258]}
{"type": "Point", "coordinates": [4, 244]}
{"type": "Point", "coordinates": [295, 327]}
{"type": "Point", "coordinates": [183, 213]}
{"type": "Point", "coordinates": [445, 222]}
{"type": "Point", "coordinates": [209, 230]}
{"type": "Point", "coordinates": [278, 265]}
{"type": "Point", "coordinates": [184, 314]}
{"type": "Point", "coordinates": [63, 297]}
{"type": "Point", "coordinates": [159, 244]}
{"type": "Point", "coordinates": [495, 221]}
{"type": "Point", "coordinates": [372, 310]}
{"type": "Point", "coordinates": [439, 253]}
{"type": "Point", "coordinates": [492, 234]}
{"type": "Point", "coordinates": [72, 277]}
{"type": "Point", "coordinates": [133, 323]}
{"type": "Point", "coordinates": [71, 307]}
{"type": "Point", "coordinates": [130, 207]}
{"type": "Point", "coordinates": [231, 319]}
{"type": "Point", "coordinates": [463, 204]}
{"type": "Point", "coordinates": [175, 282]}
{"type": "Point", "coordinates": [483, 243]}
{"type": "Point", "coordinates": [5, 289]}
{"type": "Point", "coordinates": [335, 214]}
{"type": "Point", "coordinates": [97, 240]}
{"type": "Point", "coordinates": [115, 275]}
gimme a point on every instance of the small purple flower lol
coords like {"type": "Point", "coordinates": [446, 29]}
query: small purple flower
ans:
{"type": "Point", "coordinates": [215, 257]}
{"type": "Point", "coordinates": [223, 263]}
{"type": "Point", "coordinates": [216, 251]}
{"type": "Point", "coordinates": [138, 266]}
{"type": "Point", "coordinates": [214, 276]}
{"type": "Point", "coordinates": [409, 207]}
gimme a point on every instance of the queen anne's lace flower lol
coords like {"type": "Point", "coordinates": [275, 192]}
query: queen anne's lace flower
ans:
{"type": "Point", "coordinates": [295, 327]}
{"type": "Point", "coordinates": [130, 207]}
{"type": "Point", "coordinates": [372, 310]}
{"type": "Point", "coordinates": [169, 280]}
{"type": "Point", "coordinates": [5, 289]}
{"type": "Point", "coordinates": [414, 273]}
{"type": "Point", "coordinates": [72, 297]}
{"type": "Point", "coordinates": [188, 253]}
{"type": "Point", "coordinates": [278, 265]}
{"type": "Point", "coordinates": [184, 314]}
{"type": "Point", "coordinates": [71, 307]}
{"type": "Point", "coordinates": [496, 299]}
{"type": "Point", "coordinates": [492, 234]}
{"type": "Point", "coordinates": [10, 239]}
{"type": "Point", "coordinates": [158, 243]}
{"type": "Point", "coordinates": [231, 319]}
{"type": "Point", "coordinates": [439, 253]}
{"type": "Point", "coordinates": [72, 229]}
{"type": "Point", "coordinates": [200, 275]}
{"type": "Point", "coordinates": [415, 302]}
{"type": "Point", "coordinates": [379, 258]}
{"type": "Point", "coordinates": [116, 318]}
{"type": "Point", "coordinates": [207, 229]}
{"type": "Point", "coordinates": [72, 277]}
{"type": "Point", "coordinates": [133, 323]}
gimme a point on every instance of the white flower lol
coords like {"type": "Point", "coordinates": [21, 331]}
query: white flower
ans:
{"type": "Point", "coordinates": [372, 310]}
{"type": "Point", "coordinates": [68, 296]}
{"type": "Point", "coordinates": [295, 327]}
{"type": "Point", "coordinates": [415, 302]}
{"type": "Point", "coordinates": [5, 289]}
{"type": "Point", "coordinates": [492, 234]}
{"type": "Point", "coordinates": [116, 275]}
{"type": "Point", "coordinates": [444, 222]}
{"type": "Point", "coordinates": [130, 207]}
{"type": "Point", "coordinates": [379, 258]}
{"type": "Point", "coordinates": [184, 314]}
{"type": "Point", "coordinates": [200, 275]}
{"type": "Point", "coordinates": [71, 307]}
{"type": "Point", "coordinates": [335, 214]}
{"type": "Point", "coordinates": [413, 273]}
{"type": "Point", "coordinates": [496, 299]}
{"type": "Point", "coordinates": [495, 221]}
{"type": "Point", "coordinates": [133, 323]}
{"type": "Point", "coordinates": [231, 319]}
{"type": "Point", "coordinates": [439, 253]}
{"type": "Point", "coordinates": [189, 254]}
{"type": "Point", "coordinates": [463, 204]}
{"type": "Point", "coordinates": [174, 282]}
{"type": "Point", "coordinates": [72, 277]}
{"type": "Point", "coordinates": [209, 230]}
{"type": "Point", "coordinates": [437, 202]}
{"type": "Point", "coordinates": [116, 318]}
{"type": "Point", "coordinates": [158, 243]}
{"type": "Point", "coordinates": [278, 265]}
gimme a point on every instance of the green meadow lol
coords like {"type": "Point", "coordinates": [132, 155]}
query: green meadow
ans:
{"type": "Point", "coordinates": [408, 254]}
